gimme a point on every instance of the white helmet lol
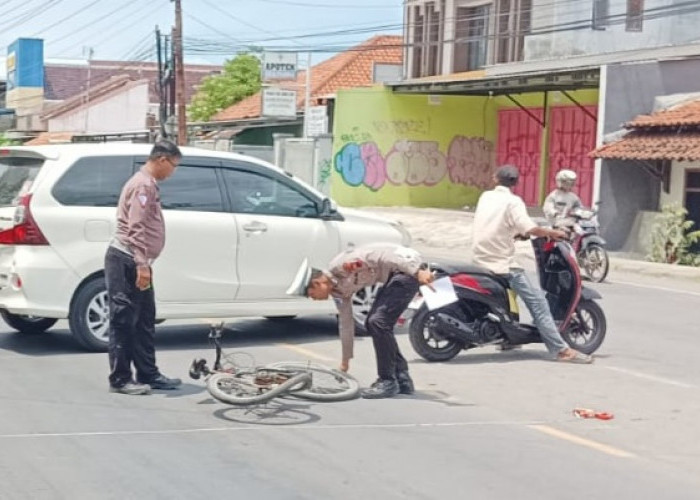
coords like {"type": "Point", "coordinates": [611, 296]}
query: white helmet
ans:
{"type": "Point", "coordinates": [566, 179]}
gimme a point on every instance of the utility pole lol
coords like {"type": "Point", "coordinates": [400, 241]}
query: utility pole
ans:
{"type": "Point", "coordinates": [179, 77]}
{"type": "Point", "coordinates": [89, 52]}
{"type": "Point", "coordinates": [307, 95]}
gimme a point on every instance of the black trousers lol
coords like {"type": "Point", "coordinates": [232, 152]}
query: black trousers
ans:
{"type": "Point", "coordinates": [132, 315]}
{"type": "Point", "coordinates": [393, 299]}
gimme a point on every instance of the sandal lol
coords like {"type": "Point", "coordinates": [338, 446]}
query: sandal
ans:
{"type": "Point", "coordinates": [574, 356]}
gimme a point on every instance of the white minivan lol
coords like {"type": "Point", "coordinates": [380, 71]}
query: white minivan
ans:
{"type": "Point", "coordinates": [237, 229]}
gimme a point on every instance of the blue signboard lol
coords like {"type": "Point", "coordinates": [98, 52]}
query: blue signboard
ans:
{"type": "Point", "coordinates": [25, 63]}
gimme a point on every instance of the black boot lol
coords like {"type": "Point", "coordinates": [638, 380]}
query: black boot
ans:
{"type": "Point", "coordinates": [405, 382]}
{"type": "Point", "coordinates": [382, 388]}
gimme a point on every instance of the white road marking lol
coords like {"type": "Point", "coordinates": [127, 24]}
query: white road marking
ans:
{"type": "Point", "coordinates": [654, 287]}
{"type": "Point", "coordinates": [267, 428]}
{"type": "Point", "coordinates": [305, 352]}
{"type": "Point", "coordinates": [588, 443]}
{"type": "Point", "coordinates": [661, 380]}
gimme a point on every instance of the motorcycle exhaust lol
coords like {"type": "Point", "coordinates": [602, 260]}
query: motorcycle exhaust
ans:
{"type": "Point", "coordinates": [452, 328]}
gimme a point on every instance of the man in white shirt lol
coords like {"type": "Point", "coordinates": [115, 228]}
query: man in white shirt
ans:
{"type": "Point", "coordinates": [501, 216]}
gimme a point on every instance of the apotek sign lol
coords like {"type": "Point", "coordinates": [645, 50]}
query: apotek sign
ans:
{"type": "Point", "coordinates": [279, 66]}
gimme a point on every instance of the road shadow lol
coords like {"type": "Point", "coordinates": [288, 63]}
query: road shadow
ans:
{"type": "Point", "coordinates": [239, 333]}
{"type": "Point", "coordinates": [276, 413]}
{"type": "Point", "coordinates": [491, 358]}
{"type": "Point", "coordinates": [52, 342]}
{"type": "Point", "coordinates": [248, 333]}
{"type": "Point", "coordinates": [185, 390]}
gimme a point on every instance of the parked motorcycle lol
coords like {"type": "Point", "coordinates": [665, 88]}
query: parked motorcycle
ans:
{"type": "Point", "coordinates": [486, 311]}
{"type": "Point", "coordinates": [589, 245]}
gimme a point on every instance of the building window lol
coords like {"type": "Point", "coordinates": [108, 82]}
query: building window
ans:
{"type": "Point", "coordinates": [513, 20]}
{"type": "Point", "coordinates": [635, 15]}
{"type": "Point", "coordinates": [471, 37]}
{"type": "Point", "coordinates": [601, 14]}
{"type": "Point", "coordinates": [416, 63]}
{"type": "Point", "coordinates": [427, 40]}
{"type": "Point", "coordinates": [434, 28]}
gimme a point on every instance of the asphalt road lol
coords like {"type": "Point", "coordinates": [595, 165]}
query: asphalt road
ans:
{"type": "Point", "coordinates": [487, 425]}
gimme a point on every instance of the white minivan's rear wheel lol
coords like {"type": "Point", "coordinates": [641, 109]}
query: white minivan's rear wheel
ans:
{"type": "Point", "coordinates": [27, 324]}
{"type": "Point", "coordinates": [89, 315]}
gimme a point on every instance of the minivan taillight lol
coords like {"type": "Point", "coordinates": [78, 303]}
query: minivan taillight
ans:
{"type": "Point", "coordinates": [25, 230]}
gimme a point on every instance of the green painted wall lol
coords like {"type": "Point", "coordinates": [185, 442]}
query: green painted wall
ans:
{"type": "Point", "coordinates": [418, 150]}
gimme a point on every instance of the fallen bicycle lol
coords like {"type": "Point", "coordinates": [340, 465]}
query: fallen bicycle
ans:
{"type": "Point", "coordinates": [231, 383]}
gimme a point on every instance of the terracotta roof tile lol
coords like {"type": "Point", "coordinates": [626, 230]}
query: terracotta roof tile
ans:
{"type": "Point", "coordinates": [683, 114]}
{"type": "Point", "coordinates": [349, 69]}
{"type": "Point", "coordinates": [640, 145]}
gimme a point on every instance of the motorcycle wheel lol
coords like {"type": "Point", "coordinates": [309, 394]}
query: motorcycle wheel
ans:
{"type": "Point", "coordinates": [427, 342]}
{"type": "Point", "coordinates": [595, 263]}
{"type": "Point", "coordinates": [587, 328]}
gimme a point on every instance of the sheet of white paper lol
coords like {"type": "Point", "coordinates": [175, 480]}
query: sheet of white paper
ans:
{"type": "Point", "coordinates": [444, 293]}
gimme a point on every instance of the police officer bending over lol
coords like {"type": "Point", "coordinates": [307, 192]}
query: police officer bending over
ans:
{"type": "Point", "coordinates": [399, 269]}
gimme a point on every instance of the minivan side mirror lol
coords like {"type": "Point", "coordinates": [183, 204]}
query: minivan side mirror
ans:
{"type": "Point", "coordinates": [329, 210]}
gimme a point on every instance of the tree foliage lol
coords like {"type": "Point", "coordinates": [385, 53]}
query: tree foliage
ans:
{"type": "Point", "coordinates": [671, 238]}
{"type": "Point", "coordinates": [240, 78]}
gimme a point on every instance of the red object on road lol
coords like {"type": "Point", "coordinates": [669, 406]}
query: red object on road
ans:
{"type": "Point", "coordinates": [586, 413]}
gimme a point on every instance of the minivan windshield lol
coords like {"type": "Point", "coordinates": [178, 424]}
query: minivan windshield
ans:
{"type": "Point", "coordinates": [16, 177]}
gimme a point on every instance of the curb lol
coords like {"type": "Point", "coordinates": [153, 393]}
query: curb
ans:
{"type": "Point", "coordinates": [434, 221]}
{"type": "Point", "coordinates": [655, 269]}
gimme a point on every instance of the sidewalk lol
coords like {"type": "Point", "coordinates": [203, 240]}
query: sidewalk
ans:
{"type": "Point", "coordinates": [447, 233]}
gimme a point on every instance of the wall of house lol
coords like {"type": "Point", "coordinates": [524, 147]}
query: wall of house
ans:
{"type": "Point", "coordinates": [440, 151]}
{"type": "Point", "coordinates": [392, 149]}
{"type": "Point", "coordinates": [625, 187]}
{"type": "Point", "coordinates": [676, 186]}
{"type": "Point", "coordinates": [122, 112]}
{"type": "Point", "coordinates": [556, 16]}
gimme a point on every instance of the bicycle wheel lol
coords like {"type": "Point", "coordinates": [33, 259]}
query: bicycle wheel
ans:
{"type": "Point", "coordinates": [255, 386]}
{"type": "Point", "coordinates": [327, 384]}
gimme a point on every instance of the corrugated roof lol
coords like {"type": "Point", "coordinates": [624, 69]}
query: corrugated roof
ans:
{"type": "Point", "coordinates": [113, 85]}
{"type": "Point", "coordinates": [63, 81]}
{"type": "Point", "coordinates": [353, 68]}
{"type": "Point", "coordinates": [50, 138]}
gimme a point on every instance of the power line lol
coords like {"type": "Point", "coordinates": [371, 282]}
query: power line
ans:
{"type": "Point", "coordinates": [648, 14]}
{"type": "Point", "coordinates": [72, 14]}
{"type": "Point", "coordinates": [332, 6]}
{"type": "Point", "coordinates": [28, 15]}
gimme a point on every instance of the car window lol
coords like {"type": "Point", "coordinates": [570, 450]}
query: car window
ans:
{"type": "Point", "coordinates": [254, 193]}
{"type": "Point", "coordinates": [192, 188]}
{"type": "Point", "coordinates": [16, 177]}
{"type": "Point", "coordinates": [95, 181]}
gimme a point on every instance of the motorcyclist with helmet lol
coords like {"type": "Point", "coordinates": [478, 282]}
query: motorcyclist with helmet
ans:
{"type": "Point", "coordinates": [560, 202]}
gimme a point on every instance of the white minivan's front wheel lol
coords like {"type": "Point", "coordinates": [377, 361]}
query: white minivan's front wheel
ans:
{"type": "Point", "coordinates": [89, 316]}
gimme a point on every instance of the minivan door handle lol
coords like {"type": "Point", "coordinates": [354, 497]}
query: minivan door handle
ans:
{"type": "Point", "coordinates": [255, 227]}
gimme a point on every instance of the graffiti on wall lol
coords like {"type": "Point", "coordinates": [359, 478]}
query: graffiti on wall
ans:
{"type": "Point", "coordinates": [468, 161]}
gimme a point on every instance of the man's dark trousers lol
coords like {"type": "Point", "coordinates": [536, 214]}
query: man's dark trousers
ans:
{"type": "Point", "coordinates": [131, 322]}
{"type": "Point", "coordinates": [393, 299]}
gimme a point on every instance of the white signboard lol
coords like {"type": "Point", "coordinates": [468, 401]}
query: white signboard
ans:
{"type": "Point", "coordinates": [279, 103]}
{"type": "Point", "coordinates": [279, 66]}
{"type": "Point", "coordinates": [317, 121]}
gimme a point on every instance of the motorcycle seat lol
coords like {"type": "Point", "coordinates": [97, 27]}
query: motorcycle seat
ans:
{"type": "Point", "coordinates": [454, 267]}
